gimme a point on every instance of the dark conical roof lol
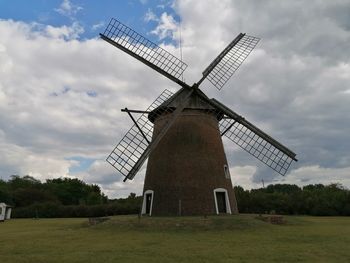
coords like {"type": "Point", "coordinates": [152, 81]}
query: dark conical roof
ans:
{"type": "Point", "coordinates": [195, 102]}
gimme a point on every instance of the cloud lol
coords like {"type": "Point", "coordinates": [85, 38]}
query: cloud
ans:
{"type": "Point", "coordinates": [101, 173]}
{"type": "Point", "coordinates": [98, 26]}
{"type": "Point", "coordinates": [167, 26]}
{"type": "Point", "coordinates": [60, 97]}
{"type": "Point", "coordinates": [242, 176]}
{"type": "Point", "coordinates": [19, 160]}
{"type": "Point", "coordinates": [67, 32]}
{"type": "Point", "coordinates": [68, 9]}
{"type": "Point", "coordinates": [293, 85]}
{"type": "Point", "coordinates": [150, 16]}
{"type": "Point", "coordinates": [309, 174]}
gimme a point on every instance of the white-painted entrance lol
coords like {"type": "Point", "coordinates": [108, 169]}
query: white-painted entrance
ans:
{"type": "Point", "coordinates": [222, 202]}
{"type": "Point", "coordinates": [5, 212]}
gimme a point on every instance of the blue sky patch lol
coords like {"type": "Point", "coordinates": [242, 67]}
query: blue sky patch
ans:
{"type": "Point", "coordinates": [84, 164]}
{"type": "Point", "coordinates": [92, 16]}
{"type": "Point", "coordinates": [92, 93]}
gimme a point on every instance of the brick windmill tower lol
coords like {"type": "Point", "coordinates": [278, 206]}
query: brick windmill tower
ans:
{"type": "Point", "coordinates": [180, 134]}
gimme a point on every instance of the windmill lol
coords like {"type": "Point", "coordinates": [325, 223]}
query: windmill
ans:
{"type": "Point", "coordinates": [181, 133]}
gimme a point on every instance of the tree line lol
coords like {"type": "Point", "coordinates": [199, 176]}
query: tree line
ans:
{"type": "Point", "coordinates": [71, 197]}
{"type": "Point", "coordinates": [288, 199]}
{"type": "Point", "coordinates": [61, 197]}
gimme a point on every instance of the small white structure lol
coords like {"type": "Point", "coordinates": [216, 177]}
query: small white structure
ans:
{"type": "Point", "coordinates": [5, 212]}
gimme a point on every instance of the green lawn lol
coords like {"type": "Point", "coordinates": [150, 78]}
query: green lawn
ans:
{"type": "Point", "coordinates": [188, 239]}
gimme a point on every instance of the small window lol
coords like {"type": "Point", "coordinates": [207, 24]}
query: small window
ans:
{"type": "Point", "coordinates": [227, 172]}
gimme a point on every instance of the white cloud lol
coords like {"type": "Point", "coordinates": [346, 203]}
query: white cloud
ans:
{"type": "Point", "coordinates": [46, 113]}
{"type": "Point", "coordinates": [67, 32]}
{"type": "Point", "coordinates": [98, 26]}
{"type": "Point", "coordinates": [19, 160]}
{"type": "Point", "coordinates": [316, 174]}
{"type": "Point", "coordinates": [294, 86]}
{"type": "Point", "coordinates": [111, 183]}
{"type": "Point", "coordinates": [68, 9]}
{"type": "Point", "coordinates": [150, 16]}
{"type": "Point", "coordinates": [243, 176]}
{"type": "Point", "coordinates": [167, 26]}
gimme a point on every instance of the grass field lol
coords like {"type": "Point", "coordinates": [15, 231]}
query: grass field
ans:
{"type": "Point", "coordinates": [187, 239]}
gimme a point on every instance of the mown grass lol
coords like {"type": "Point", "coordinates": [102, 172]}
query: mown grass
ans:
{"type": "Point", "coordinates": [184, 239]}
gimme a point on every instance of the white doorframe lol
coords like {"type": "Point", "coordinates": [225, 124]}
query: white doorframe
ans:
{"type": "Point", "coordinates": [2, 212]}
{"type": "Point", "coordinates": [143, 210]}
{"type": "Point", "coordinates": [8, 213]}
{"type": "Point", "coordinates": [228, 206]}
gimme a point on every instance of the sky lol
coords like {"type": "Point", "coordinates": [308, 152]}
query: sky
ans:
{"type": "Point", "coordinates": [62, 87]}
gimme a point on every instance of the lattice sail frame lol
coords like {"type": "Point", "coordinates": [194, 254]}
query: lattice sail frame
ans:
{"type": "Point", "coordinates": [143, 49]}
{"type": "Point", "coordinates": [252, 143]}
{"type": "Point", "coordinates": [251, 139]}
{"type": "Point", "coordinates": [234, 58]}
{"type": "Point", "coordinates": [130, 148]}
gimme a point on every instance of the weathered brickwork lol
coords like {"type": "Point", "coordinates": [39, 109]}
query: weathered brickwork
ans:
{"type": "Point", "coordinates": [187, 165]}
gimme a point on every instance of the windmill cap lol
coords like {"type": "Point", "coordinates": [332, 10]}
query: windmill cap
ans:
{"type": "Point", "coordinates": [194, 102]}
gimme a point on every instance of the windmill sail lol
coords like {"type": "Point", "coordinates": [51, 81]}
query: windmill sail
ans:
{"type": "Point", "coordinates": [157, 112]}
{"type": "Point", "coordinates": [229, 60]}
{"type": "Point", "coordinates": [126, 39]}
{"type": "Point", "coordinates": [134, 148]}
{"type": "Point", "coordinates": [131, 147]}
{"type": "Point", "coordinates": [253, 140]}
